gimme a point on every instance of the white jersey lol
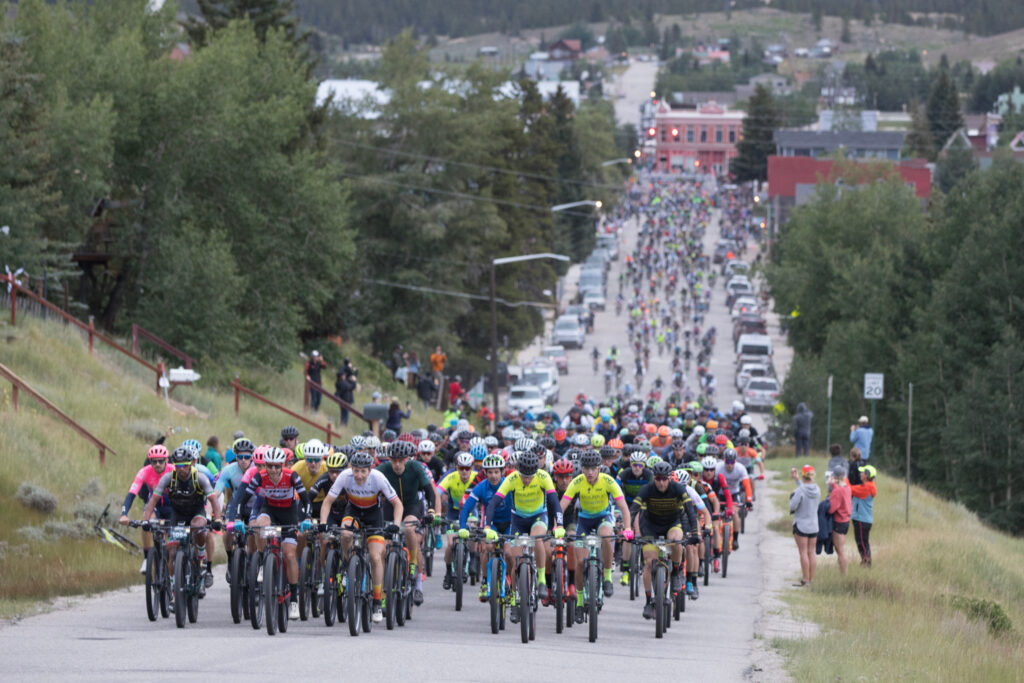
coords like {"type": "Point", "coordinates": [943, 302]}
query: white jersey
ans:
{"type": "Point", "coordinates": [367, 494]}
{"type": "Point", "coordinates": [733, 479]}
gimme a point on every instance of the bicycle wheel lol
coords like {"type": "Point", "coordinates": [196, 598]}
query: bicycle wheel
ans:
{"type": "Point", "coordinates": [659, 600]}
{"type": "Point", "coordinates": [283, 596]}
{"type": "Point", "coordinates": [593, 578]}
{"type": "Point", "coordinates": [354, 595]}
{"type": "Point", "coordinates": [330, 586]}
{"type": "Point", "coordinates": [305, 582]}
{"type": "Point", "coordinates": [152, 586]}
{"type": "Point", "coordinates": [494, 581]}
{"type": "Point", "coordinates": [180, 588]}
{"type": "Point", "coordinates": [428, 551]}
{"type": "Point", "coordinates": [635, 571]}
{"type": "Point", "coordinates": [366, 620]}
{"type": "Point", "coordinates": [235, 568]}
{"type": "Point", "coordinates": [708, 559]}
{"type": "Point", "coordinates": [558, 592]}
{"type": "Point", "coordinates": [164, 582]}
{"type": "Point", "coordinates": [523, 582]}
{"type": "Point", "coordinates": [459, 564]}
{"type": "Point", "coordinates": [390, 591]}
{"type": "Point", "coordinates": [315, 600]}
{"type": "Point", "coordinates": [743, 519]}
{"type": "Point", "coordinates": [257, 608]}
{"type": "Point", "coordinates": [270, 596]}
{"type": "Point", "coordinates": [195, 575]}
{"type": "Point", "coordinates": [726, 545]}
{"type": "Point", "coordinates": [403, 587]}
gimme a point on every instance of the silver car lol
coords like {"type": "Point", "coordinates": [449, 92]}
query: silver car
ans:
{"type": "Point", "coordinates": [761, 392]}
{"type": "Point", "coordinates": [569, 332]}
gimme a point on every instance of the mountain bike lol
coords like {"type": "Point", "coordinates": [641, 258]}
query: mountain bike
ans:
{"type": "Point", "coordinates": [398, 583]}
{"type": "Point", "coordinates": [334, 579]}
{"type": "Point", "coordinates": [726, 545]}
{"type": "Point", "coordinates": [526, 596]}
{"type": "Point", "coordinates": [709, 555]}
{"type": "Point", "coordinates": [593, 595]}
{"type": "Point", "coordinates": [188, 575]}
{"type": "Point", "coordinates": [158, 588]}
{"type": "Point", "coordinates": [273, 584]}
{"type": "Point", "coordinates": [460, 566]}
{"type": "Point", "coordinates": [741, 501]}
{"type": "Point", "coordinates": [559, 584]}
{"type": "Point", "coordinates": [661, 576]}
{"type": "Point", "coordinates": [311, 577]}
{"type": "Point", "coordinates": [636, 570]}
{"type": "Point", "coordinates": [238, 571]}
{"type": "Point", "coordinates": [359, 582]}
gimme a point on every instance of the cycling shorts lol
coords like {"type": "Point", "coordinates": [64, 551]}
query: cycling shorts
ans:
{"type": "Point", "coordinates": [501, 527]}
{"type": "Point", "coordinates": [647, 528]}
{"type": "Point", "coordinates": [186, 515]}
{"type": "Point", "coordinates": [288, 516]}
{"type": "Point", "coordinates": [452, 515]}
{"type": "Point", "coordinates": [364, 517]}
{"type": "Point", "coordinates": [523, 525]}
{"type": "Point", "coordinates": [584, 525]}
{"type": "Point", "coordinates": [414, 509]}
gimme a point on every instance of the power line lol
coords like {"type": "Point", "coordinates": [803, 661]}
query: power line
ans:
{"type": "Point", "coordinates": [445, 292]}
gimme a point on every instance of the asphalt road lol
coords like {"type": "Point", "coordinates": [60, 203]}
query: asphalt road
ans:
{"type": "Point", "coordinates": [635, 84]}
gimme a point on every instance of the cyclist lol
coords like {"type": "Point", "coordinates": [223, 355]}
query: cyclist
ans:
{"type": "Point", "coordinates": [229, 483]}
{"type": "Point", "coordinates": [428, 459]}
{"type": "Point", "coordinates": [734, 478]}
{"type": "Point", "coordinates": [494, 471]}
{"type": "Point", "coordinates": [143, 486]}
{"type": "Point", "coordinates": [662, 508]}
{"type": "Point", "coordinates": [631, 480]}
{"type": "Point", "coordinates": [452, 489]}
{"type": "Point", "coordinates": [289, 437]}
{"type": "Point", "coordinates": [187, 491]}
{"type": "Point", "coordinates": [278, 486]}
{"type": "Point", "coordinates": [709, 497]}
{"type": "Point", "coordinates": [364, 487]}
{"type": "Point", "coordinates": [335, 464]}
{"type": "Point", "coordinates": [410, 479]}
{"type": "Point", "coordinates": [704, 518]}
{"type": "Point", "coordinates": [748, 456]}
{"type": "Point", "coordinates": [716, 482]}
{"type": "Point", "coordinates": [594, 488]}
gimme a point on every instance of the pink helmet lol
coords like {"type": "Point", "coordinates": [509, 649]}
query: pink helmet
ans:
{"type": "Point", "coordinates": [158, 452]}
{"type": "Point", "coordinates": [259, 454]}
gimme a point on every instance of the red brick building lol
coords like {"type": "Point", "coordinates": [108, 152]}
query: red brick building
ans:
{"type": "Point", "coordinates": [699, 140]}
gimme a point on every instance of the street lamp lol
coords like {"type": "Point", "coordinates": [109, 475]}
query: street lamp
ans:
{"type": "Point", "coordinates": [586, 202]}
{"type": "Point", "coordinates": [494, 313]}
{"type": "Point", "coordinates": [612, 162]}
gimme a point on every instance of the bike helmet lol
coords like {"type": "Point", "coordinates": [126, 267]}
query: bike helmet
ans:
{"type": "Point", "coordinates": [676, 434]}
{"type": "Point", "coordinates": [699, 430]}
{"type": "Point", "coordinates": [597, 441]}
{"type": "Point", "coordinates": [290, 432]}
{"type": "Point", "coordinates": [616, 444]}
{"type": "Point", "coordinates": [426, 446]}
{"type": "Point", "coordinates": [562, 467]}
{"type": "Point", "coordinates": [491, 442]}
{"type": "Point", "coordinates": [590, 459]}
{"type": "Point", "coordinates": [524, 444]}
{"type": "Point", "coordinates": [638, 456]}
{"type": "Point", "coordinates": [661, 469]}
{"type": "Point", "coordinates": [664, 430]}
{"type": "Point", "coordinates": [361, 459]}
{"type": "Point", "coordinates": [464, 459]}
{"type": "Point", "coordinates": [721, 439]}
{"type": "Point", "coordinates": [511, 459]}
{"type": "Point", "coordinates": [548, 443]}
{"type": "Point", "coordinates": [695, 467]}
{"type": "Point", "coordinates": [743, 434]}
{"type": "Point", "coordinates": [370, 443]}
{"type": "Point", "coordinates": [258, 455]}
{"type": "Point", "coordinates": [388, 435]}
{"type": "Point", "coordinates": [712, 450]}
{"type": "Point", "coordinates": [241, 446]}
{"type": "Point", "coordinates": [743, 441]}
{"type": "Point", "coordinates": [180, 456]}
{"type": "Point", "coordinates": [493, 462]}
{"type": "Point", "coordinates": [507, 433]}
{"type": "Point", "coordinates": [381, 451]}
{"type": "Point", "coordinates": [729, 455]}
{"type": "Point", "coordinates": [401, 449]}
{"type": "Point", "coordinates": [559, 435]}
{"type": "Point", "coordinates": [347, 450]}
{"type": "Point", "coordinates": [314, 448]}
{"type": "Point", "coordinates": [336, 460]}
{"type": "Point", "coordinates": [746, 420]}
{"type": "Point", "coordinates": [358, 442]}
{"type": "Point", "coordinates": [712, 424]}
{"type": "Point", "coordinates": [581, 440]}
{"type": "Point", "coordinates": [653, 460]}
{"type": "Point", "coordinates": [709, 462]}
{"type": "Point", "coordinates": [275, 456]}
{"type": "Point", "coordinates": [607, 452]}
{"type": "Point", "coordinates": [158, 452]}
{"type": "Point", "coordinates": [527, 463]}
{"type": "Point", "coordinates": [476, 440]}
{"type": "Point", "coordinates": [464, 435]}
{"type": "Point", "coordinates": [682, 476]}
{"type": "Point", "coordinates": [645, 446]}
{"type": "Point", "coordinates": [478, 451]}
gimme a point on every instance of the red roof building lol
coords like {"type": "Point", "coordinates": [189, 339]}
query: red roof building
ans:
{"type": "Point", "coordinates": [697, 140]}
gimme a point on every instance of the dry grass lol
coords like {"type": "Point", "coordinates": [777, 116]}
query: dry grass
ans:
{"type": "Point", "coordinates": [930, 607]}
{"type": "Point", "coordinates": [116, 402]}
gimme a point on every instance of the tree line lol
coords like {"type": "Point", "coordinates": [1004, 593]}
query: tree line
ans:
{"type": "Point", "coordinates": [202, 192]}
{"type": "Point", "coordinates": [870, 282]}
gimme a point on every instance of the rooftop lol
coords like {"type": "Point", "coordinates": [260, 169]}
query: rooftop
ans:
{"type": "Point", "coordinates": [841, 138]}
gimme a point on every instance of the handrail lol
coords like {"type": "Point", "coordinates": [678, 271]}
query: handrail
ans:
{"type": "Point", "coordinates": [18, 383]}
{"type": "Point", "coordinates": [344, 404]}
{"type": "Point", "coordinates": [90, 329]}
{"type": "Point", "coordinates": [239, 389]}
{"type": "Point", "coordinates": [140, 331]}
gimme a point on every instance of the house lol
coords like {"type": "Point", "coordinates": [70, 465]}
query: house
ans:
{"type": "Point", "coordinates": [982, 149]}
{"type": "Point", "coordinates": [702, 139]}
{"type": "Point", "coordinates": [565, 50]}
{"type": "Point", "coordinates": [854, 144]}
{"type": "Point", "coordinates": [1010, 102]}
{"type": "Point", "coordinates": [777, 85]}
{"type": "Point", "coordinates": [180, 52]}
{"type": "Point", "coordinates": [709, 54]}
{"type": "Point", "coordinates": [539, 67]}
{"type": "Point", "coordinates": [691, 99]}
{"type": "Point", "coordinates": [982, 130]}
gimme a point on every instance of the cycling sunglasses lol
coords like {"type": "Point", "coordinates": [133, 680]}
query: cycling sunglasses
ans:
{"type": "Point", "coordinates": [465, 469]}
{"type": "Point", "coordinates": [275, 467]}
{"type": "Point", "coordinates": [660, 477]}
{"type": "Point", "coordinates": [314, 461]}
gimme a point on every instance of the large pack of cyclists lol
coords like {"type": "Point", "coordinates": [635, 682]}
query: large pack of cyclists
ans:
{"type": "Point", "coordinates": [644, 493]}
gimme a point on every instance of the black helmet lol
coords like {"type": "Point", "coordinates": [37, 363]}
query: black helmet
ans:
{"type": "Point", "coordinates": [548, 443]}
{"type": "Point", "coordinates": [388, 435]}
{"type": "Point", "coordinates": [712, 450]}
{"type": "Point", "coordinates": [290, 432]}
{"type": "Point", "coordinates": [527, 463]}
{"type": "Point", "coordinates": [590, 459]}
{"type": "Point", "coordinates": [607, 452]}
{"type": "Point", "coordinates": [361, 459]}
{"type": "Point", "coordinates": [181, 455]}
{"type": "Point", "coordinates": [243, 446]}
{"type": "Point", "coordinates": [662, 469]}
{"type": "Point", "coordinates": [347, 449]}
{"type": "Point", "coordinates": [401, 449]}
{"type": "Point", "coordinates": [538, 449]}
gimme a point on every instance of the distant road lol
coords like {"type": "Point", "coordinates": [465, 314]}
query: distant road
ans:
{"type": "Point", "coordinates": [637, 83]}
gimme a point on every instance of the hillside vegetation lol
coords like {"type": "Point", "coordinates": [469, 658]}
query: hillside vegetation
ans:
{"type": "Point", "coordinates": [42, 555]}
{"type": "Point", "coordinates": [944, 599]}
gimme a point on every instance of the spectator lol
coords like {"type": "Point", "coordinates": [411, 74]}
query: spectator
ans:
{"type": "Point", "coordinates": [486, 417]}
{"type": "Point", "coordinates": [349, 369]}
{"type": "Point", "coordinates": [455, 390]}
{"type": "Point", "coordinates": [414, 369]}
{"type": "Point", "coordinates": [803, 505]}
{"type": "Point", "coordinates": [425, 390]}
{"type": "Point", "coordinates": [402, 373]}
{"type": "Point", "coordinates": [802, 429]}
{"type": "Point", "coordinates": [212, 454]}
{"type": "Point", "coordinates": [397, 359]}
{"type": "Point", "coordinates": [314, 367]}
{"type": "Point", "coordinates": [345, 387]}
{"type": "Point", "coordinates": [854, 465]}
{"type": "Point", "coordinates": [863, 515]}
{"type": "Point", "coordinates": [836, 462]}
{"type": "Point", "coordinates": [840, 507]}
{"type": "Point", "coordinates": [437, 361]}
{"type": "Point", "coordinates": [861, 435]}
{"type": "Point", "coordinates": [395, 416]}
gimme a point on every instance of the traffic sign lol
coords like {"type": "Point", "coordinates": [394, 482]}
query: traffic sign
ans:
{"type": "Point", "coordinates": [874, 385]}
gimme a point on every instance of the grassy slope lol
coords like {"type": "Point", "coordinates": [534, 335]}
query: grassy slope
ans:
{"type": "Point", "coordinates": [895, 619]}
{"type": "Point", "coordinates": [115, 402]}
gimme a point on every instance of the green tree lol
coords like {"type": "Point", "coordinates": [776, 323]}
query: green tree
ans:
{"type": "Point", "coordinates": [918, 142]}
{"type": "Point", "coordinates": [944, 117]}
{"type": "Point", "coordinates": [751, 162]}
{"type": "Point", "coordinates": [954, 164]}
{"type": "Point", "coordinates": [844, 36]}
{"type": "Point", "coordinates": [816, 16]}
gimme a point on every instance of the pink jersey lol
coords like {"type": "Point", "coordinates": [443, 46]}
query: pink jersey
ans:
{"type": "Point", "coordinates": [249, 474]}
{"type": "Point", "coordinates": [147, 476]}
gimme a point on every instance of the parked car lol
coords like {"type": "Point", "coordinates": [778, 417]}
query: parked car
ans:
{"type": "Point", "coordinates": [525, 397]}
{"type": "Point", "coordinates": [744, 305]}
{"type": "Point", "coordinates": [761, 392]}
{"type": "Point", "coordinates": [748, 371]}
{"type": "Point", "coordinates": [569, 332]}
{"type": "Point", "coordinates": [731, 297]}
{"type": "Point", "coordinates": [748, 324]}
{"type": "Point", "coordinates": [594, 300]}
{"type": "Point", "coordinates": [583, 314]}
{"type": "Point", "coordinates": [545, 377]}
{"type": "Point", "coordinates": [735, 267]}
{"type": "Point", "coordinates": [557, 355]}
{"type": "Point", "coordinates": [722, 249]}
{"type": "Point", "coordinates": [756, 348]}
{"type": "Point", "coordinates": [610, 243]}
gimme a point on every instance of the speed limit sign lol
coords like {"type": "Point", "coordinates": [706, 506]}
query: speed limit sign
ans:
{"type": "Point", "coordinates": [874, 385]}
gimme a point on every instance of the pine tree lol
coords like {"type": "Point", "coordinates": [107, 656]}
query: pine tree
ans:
{"type": "Point", "coordinates": [918, 142]}
{"type": "Point", "coordinates": [845, 35]}
{"type": "Point", "coordinates": [758, 138]}
{"type": "Point", "coordinates": [264, 15]}
{"type": "Point", "coordinates": [816, 17]}
{"type": "Point", "coordinates": [944, 117]}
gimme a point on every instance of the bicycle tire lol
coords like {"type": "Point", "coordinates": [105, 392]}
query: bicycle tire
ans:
{"type": "Point", "coordinates": [494, 591]}
{"type": "Point", "coordinates": [593, 578]}
{"type": "Point", "coordinates": [270, 602]}
{"type": "Point", "coordinates": [743, 520]}
{"type": "Point", "coordinates": [390, 591]}
{"type": "Point", "coordinates": [636, 571]}
{"type": "Point", "coordinates": [726, 545]}
{"type": "Point", "coordinates": [235, 564]}
{"type": "Point", "coordinates": [366, 618]}
{"type": "Point", "coordinates": [330, 587]}
{"type": "Point", "coordinates": [164, 581]}
{"type": "Point", "coordinates": [458, 581]}
{"type": "Point", "coordinates": [403, 594]}
{"type": "Point", "coordinates": [354, 595]}
{"type": "Point", "coordinates": [315, 601]}
{"type": "Point", "coordinates": [195, 576]}
{"type": "Point", "coordinates": [180, 588]}
{"type": "Point", "coordinates": [152, 586]}
{"type": "Point", "coordinates": [474, 567]}
{"type": "Point", "coordinates": [305, 580]}
{"type": "Point", "coordinates": [284, 598]}
{"type": "Point", "coordinates": [558, 592]}
{"type": "Point", "coordinates": [708, 559]}
{"type": "Point", "coordinates": [659, 600]}
{"type": "Point", "coordinates": [257, 609]}
{"type": "Point", "coordinates": [428, 551]}
{"type": "Point", "coordinates": [523, 585]}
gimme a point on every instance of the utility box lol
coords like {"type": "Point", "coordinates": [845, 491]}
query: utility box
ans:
{"type": "Point", "coordinates": [180, 375]}
{"type": "Point", "coordinates": [375, 411]}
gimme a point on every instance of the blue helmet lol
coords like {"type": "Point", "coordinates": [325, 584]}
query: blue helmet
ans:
{"type": "Point", "coordinates": [478, 451]}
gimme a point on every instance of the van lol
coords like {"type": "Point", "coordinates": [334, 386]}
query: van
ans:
{"type": "Point", "coordinates": [753, 347]}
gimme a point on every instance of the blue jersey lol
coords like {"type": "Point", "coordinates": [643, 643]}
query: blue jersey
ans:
{"type": "Point", "coordinates": [482, 494]}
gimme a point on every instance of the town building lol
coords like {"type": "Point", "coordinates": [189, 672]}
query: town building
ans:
{"type": "Point", "coordinates": [1010, 102]}
{"type": "Point", "coordinates": [853, 144]}
{"type": "Point", "coordinates": [701, 139]}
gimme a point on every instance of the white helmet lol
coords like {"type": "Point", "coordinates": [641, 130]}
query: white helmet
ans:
{"type": "Point", "coordinates": [699, 430]}
{"type": "Point", "coordinates": [314, 448]}
{"type": "Point", "coordinates": [709, 462]}
{"type": "Point", "coordinates": [370, 443]}
{"type": "Point", "coordinates": [275, 456]}
{"type": "Point", "coordinates": [683, 476]}
{"type": "Point", "coordinates": [676, 433]}
{"type": "Point", "coordinates": [745, 420]}
{"type": "Point", "coordinates": [426, 446]}
{"type": "Point", "coordinates": [737, 406]}
{"type": "Point", "coordinates": [464, 459]}
{"type": "Point", "coordinates": [358, 442]}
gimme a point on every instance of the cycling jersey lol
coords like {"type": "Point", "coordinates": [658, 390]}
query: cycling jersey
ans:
{"type": "Point", "coordinates": [302, 469]}
{"type": "Point", "coordinates": [668, 508]}
{"type": "Point", "coordinates": [482, 493]}
{"type": "Point", "coordinates": [318, 491]}
{"type": "Point", "coordinates": [695, 497]}
{"type": "Point", "coordinates": [143, 486]}
{"type": "Point", "coordinates": [184, 493]}
{"type": "Point", "coordinates": [631, 483]}
{"type": "Point", "coordinates": [455, 488]}
{"type": "Point", "coordinates": [366, 495]}
{"type": "Point", "coordinates": [735, 478]}
{"type": "Point", "coordinates": [528, 499]}
{"type": "Point", "coordinates": [276, 495]}
{"type": "Point", "coordinates": [593, 497]}
{"type": "Point", "coordinates": [721, 489]}
{"type": "Point", "coordinates": [414, 478]}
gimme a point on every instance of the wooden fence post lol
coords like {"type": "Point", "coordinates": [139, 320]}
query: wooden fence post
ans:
{"type": "Point", "coordinates": [329, 434]}
{"type": "Point", "coordinates": [135, 339]}
{"type": "Point", "coordinates": [235, 385]}
{"type": "Point", "coordinates": [14, 396]}
{"type": "Point", "coordinates": [92, 328]}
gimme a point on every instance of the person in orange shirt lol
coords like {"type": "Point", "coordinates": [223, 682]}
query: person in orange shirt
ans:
{"type": "Point", "coordinates": [437, 361]}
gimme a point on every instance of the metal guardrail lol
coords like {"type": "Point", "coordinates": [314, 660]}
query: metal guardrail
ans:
{"type": "Point", "coordinates": [310, 384]}
{"type": "Point", "coordinates": [239, 390]}
{"type": "Point", "coordinates": [140, 331]}
{"type": "Point", "coordinates": [18, 383]}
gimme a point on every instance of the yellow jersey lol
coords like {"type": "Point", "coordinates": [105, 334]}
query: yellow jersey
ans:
{"type": "Point", "coordinates": [528, 499]}
{"type": "Point", "coordinates": [593, 497]}
{"type": "Point", "coordinates": [300, 468]}
{"type": "Point", "coordinates": [453, 485]}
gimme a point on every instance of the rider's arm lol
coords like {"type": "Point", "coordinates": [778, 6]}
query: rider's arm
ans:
{"type": "Point", "coordinates": [467, 508]}
{"type": "Point", "coordinates": [158, 492]}
{"type": "Point", "coordinates": [398, 510]}
{"type": "Point", "coordinates": [300, 490]}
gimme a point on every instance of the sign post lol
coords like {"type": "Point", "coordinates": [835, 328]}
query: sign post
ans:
{"type": "Point", "coordinates": [828, 423]}
{"type": "Point", "coordinates": [874, 391]}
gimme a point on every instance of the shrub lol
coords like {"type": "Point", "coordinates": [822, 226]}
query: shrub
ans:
{"type": "Point", "coordinates": [36, 498]}
{"type": "Point", "coordinates": [989, 611]}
